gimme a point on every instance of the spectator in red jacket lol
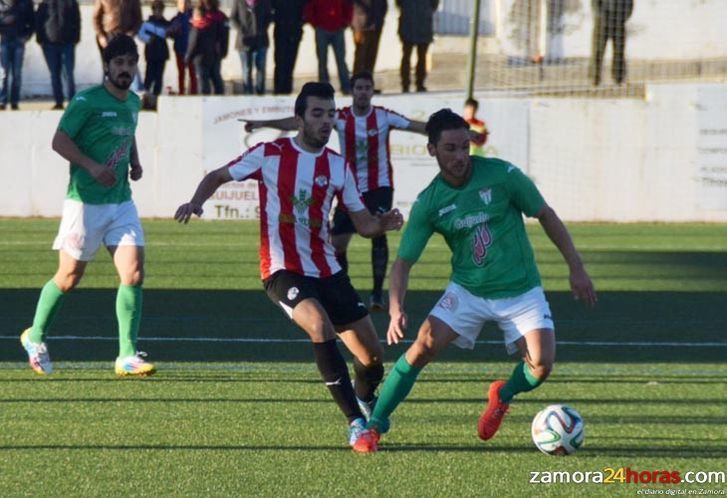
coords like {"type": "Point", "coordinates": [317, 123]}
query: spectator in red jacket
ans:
{"type": "Point", "coordinates": [330, 19]}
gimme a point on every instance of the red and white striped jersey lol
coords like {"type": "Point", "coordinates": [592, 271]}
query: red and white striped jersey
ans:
{"type": "Point", "coordinates": [296, 191]}
{"type": "Point", "coordinates": [365, 144]}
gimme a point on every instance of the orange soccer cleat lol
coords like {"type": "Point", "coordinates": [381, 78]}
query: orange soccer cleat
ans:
{"type": "Point", "coordinates": [491, 418]}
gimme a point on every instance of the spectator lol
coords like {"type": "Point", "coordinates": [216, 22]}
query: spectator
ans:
{"type": "Point", "coordinates": [208, 41]}
{"type": "Point", "coordinates": [179, 30]}
{"type": "Point", "coordinates": [330, 19]}
{"type": "Point", "coordinates": [58, 31]}
{"type": "Point", "coordinates": [416, 29]}
{"type": "Point", "coordinates": [17, 22]}
{"type": "Point", "coordinates": [367, 23]}
{"type": "Point", "coordinates": [479, 137]}
{"type": "Point", "coordinates": [113, 17]}
{"type": "Point", "coordinates": [156, 53]}
{"type": "Point", "coordinates": [609, 21]}
{"type": "Point", "coordinates": [288, 31]}
{"type": "Point", "coordinates": [252, 18]}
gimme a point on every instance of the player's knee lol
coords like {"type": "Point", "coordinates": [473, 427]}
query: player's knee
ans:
{"type": "Point", "coordinates": [423, 350]}
{"type": "Point", "coordinates": [541, 369]}
{"type": "Point", "coordinates": [133, 278]}
{"type": "Point", "coordinates": [66, 282]}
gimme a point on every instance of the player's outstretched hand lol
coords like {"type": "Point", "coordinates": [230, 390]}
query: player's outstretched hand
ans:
{"type": "Point", "coordinates": [251, 125]}
{"type": "Point", "coordinates": [397, 327]}
{"type": "Point", "coordinates": [136, 172]}
{"type": "Point", "coordinates": [185, 212]}
{"type": "Point", "coordinates": [582, 287]}
{"type": "Point", "coordinates": [103, 175]}
{"type": "Point", "coordinates": [391, 220]}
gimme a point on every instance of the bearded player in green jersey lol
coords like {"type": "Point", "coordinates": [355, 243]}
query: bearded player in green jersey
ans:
{"type": "Point", "coordinates": [96, 136]}
{"type": "Point", "coordinates": [477, 205]}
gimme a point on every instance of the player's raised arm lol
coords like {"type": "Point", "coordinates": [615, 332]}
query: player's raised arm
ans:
{"type": "Point", "coordinates": [580, 282]}
{"type": "Point", "coordinates": [283, 124]}
{"type": "Point", "coordinates": [398, 284]}
{"type": "Point", "coordinates": [417, 127]}
{"type": "Point", "coordinates": [209, 184]}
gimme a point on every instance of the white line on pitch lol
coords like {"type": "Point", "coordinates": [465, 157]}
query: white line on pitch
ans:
{"type": "Point", "coordinates": [263, 340]}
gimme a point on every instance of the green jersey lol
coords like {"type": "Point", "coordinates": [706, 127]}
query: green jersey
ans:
{"type": "Point", "coordinates": [103, 128]}
{"type": "Point", "coordinates": [482, 224]}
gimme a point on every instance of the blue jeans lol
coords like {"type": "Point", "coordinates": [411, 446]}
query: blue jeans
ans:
{"type": "Point", "coordinates": [60, 59]}
{"type": "Point", "coordinates": [248, 58]}
{"type": "Point", "coordinates": [336, 40]}
{"type": "Point", "coordinates": [11, 68]}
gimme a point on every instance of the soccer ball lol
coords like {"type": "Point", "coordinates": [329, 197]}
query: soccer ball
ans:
{"type": "Point", "coordinates": [558, 430]}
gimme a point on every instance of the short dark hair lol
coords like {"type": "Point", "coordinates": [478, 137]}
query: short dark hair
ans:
{"type": "Point", "coordinates": [312, 89]}
{"type": "Point", "coordinates": [472, 102]}
{"type": "Point", "coordinates": [120, 44]}
{"type": "Point", "coordinates": [443, 119]}
{"type": "Point", "coordinates": [362, 75]}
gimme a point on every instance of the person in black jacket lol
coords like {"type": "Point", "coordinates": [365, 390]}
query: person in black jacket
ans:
{"type": "Point", "coordinates": [153, 32]}
{"type": "Point", "coordinates": [208, 40]}
{"type": "Point", "coordinates": [17, 23]}
{"type": "Point", "coordinates": [416, 29]}
{"type": "Point", "coordinates": [58, 31]}
{"type": "Point", "coordinates": [288, 31]}
{"type": "Point", "coordinates": [609, 21]}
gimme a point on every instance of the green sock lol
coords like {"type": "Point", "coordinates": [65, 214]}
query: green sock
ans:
{"type": "Point", "coordinates": [522, 380]}
{"type": "Point", "coordinates": [397, 386]}
{"type": "Point", "coordinates": [128, 313]}
{"type": "Point", "coordinates": [49, 302]}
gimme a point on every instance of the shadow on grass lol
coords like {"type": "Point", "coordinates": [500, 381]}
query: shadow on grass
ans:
{"type": "Point", "coordinates": [484, 449]}
{"type": "Point", "coordinates": [212, 320]}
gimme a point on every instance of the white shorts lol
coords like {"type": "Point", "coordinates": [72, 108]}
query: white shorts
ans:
{"type": "Point", "coordinates": [466, 314]}
{"type": "Point", "coordinates": [85, 226]}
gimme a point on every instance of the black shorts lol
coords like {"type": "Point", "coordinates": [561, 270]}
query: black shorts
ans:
{"type": "Point", "coordinates": [335, 293]}
{"type": "Point", "coordinates": [379, 200]}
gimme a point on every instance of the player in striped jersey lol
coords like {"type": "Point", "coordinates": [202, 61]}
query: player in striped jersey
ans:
{"type": "Point", "coordinates": [363, 134]}
{"type": "Point", "coordinates": [298, 179]}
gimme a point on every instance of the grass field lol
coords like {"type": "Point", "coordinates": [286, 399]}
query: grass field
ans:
{"type": "Point", "coordinates": [237, 408]}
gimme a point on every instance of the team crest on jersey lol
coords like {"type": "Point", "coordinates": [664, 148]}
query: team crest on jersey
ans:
{"type": "Point", "coordinates": [362, 150]}
{"type": "Point", "coordinates": [486, 196]}
{"type": "Point", "coordinates": [372, 132]}
{"type": "Point", "coordinates": [293, 293]}
{"type": "Point", "coordinates": [449, 302]}
{"type": "Point", "coordinates": [321, 180]}
{"type": "Point", "coordinates": [302, 201]}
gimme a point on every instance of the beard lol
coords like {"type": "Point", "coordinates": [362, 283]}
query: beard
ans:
{"type": "Point", "coordinates": [121, 85]}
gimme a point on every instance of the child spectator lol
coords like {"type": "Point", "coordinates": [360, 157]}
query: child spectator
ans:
{"type": "Point", "coordinates": [156, 53]}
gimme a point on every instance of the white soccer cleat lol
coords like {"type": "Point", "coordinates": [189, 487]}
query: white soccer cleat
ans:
{"type": "Point", "coordinates": [38, 356]}
{"type": "Point", "coordinates": [135, 366]}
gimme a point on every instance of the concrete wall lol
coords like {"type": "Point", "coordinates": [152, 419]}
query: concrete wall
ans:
{"type": "Point", "coordinates": [661, 159]}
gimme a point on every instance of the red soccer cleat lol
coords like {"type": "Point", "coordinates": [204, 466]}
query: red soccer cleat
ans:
{"type": "Point", "coordinates": [491, 418]}
{"type": "Point", "coordinates": [367, 442]}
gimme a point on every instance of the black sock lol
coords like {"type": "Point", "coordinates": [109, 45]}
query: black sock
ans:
{"type": "Point", "coordinates": [367, 379]}
{"type": "Point", "coordinates": [379, 260]}
{"type": "Point", "coordinates": [342, 258]}
{"type": "Point", "coordinates": [334, 372]}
